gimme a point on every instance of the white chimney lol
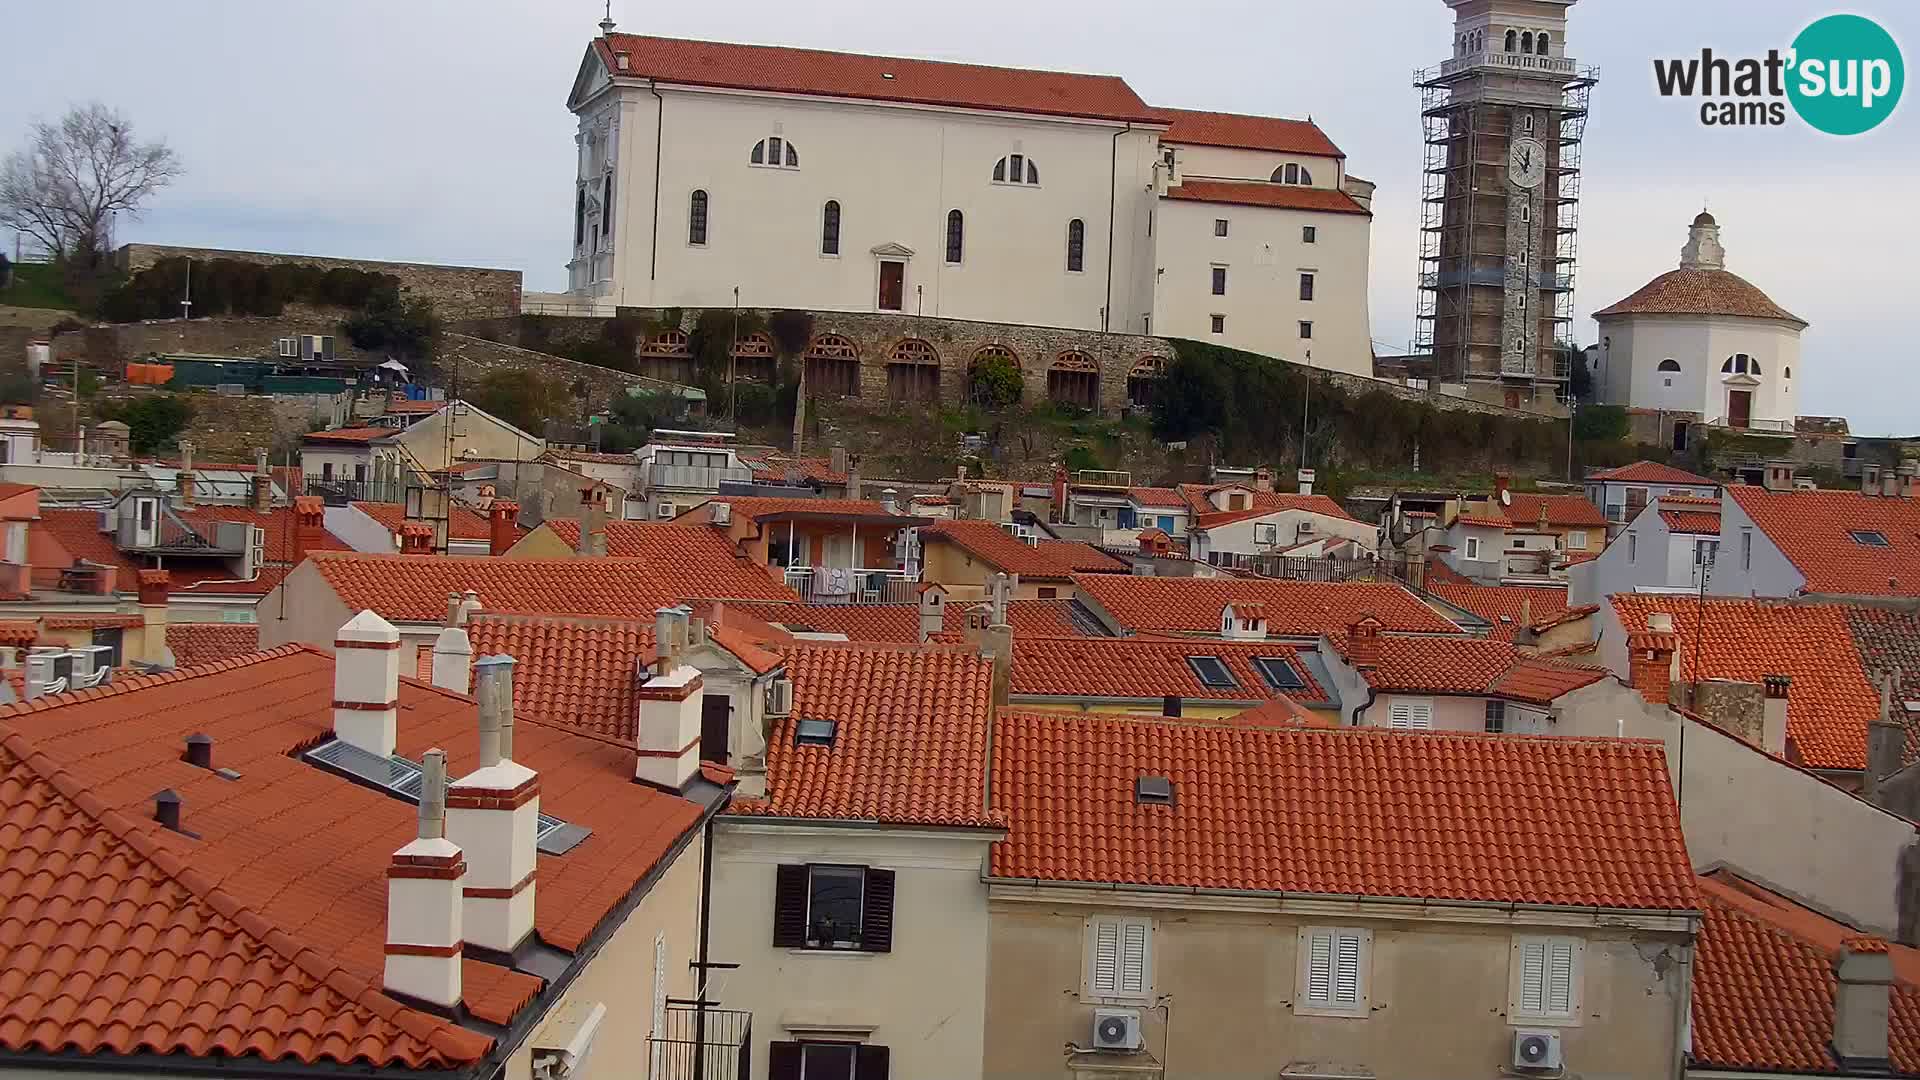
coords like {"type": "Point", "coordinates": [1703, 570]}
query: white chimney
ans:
{"type": "Point", "coordinates": [1773, 714]}
{"type": "Point", "coordinates": [933, 611]}
{"type": "Point", "coordinates": [366, 683]}
{"type": "Point", "coordinates": [453, 610]}
{"type": "Point", "coordinates": [669, 752]}
{"type": "Point", "coordinates": [1306, 481]}
{"type": "Point", "coordinates": [492, 814]}
{"type": "Point", "coordinates": [469, 607]}
{"type": "Point", "coordinates": [1862, 1003]}
{"type": "Point", "coordinates": [425, 884]}
{"type": "Point", "coordinates": [453, 660]}
{"type": "Point", "coordinates": [1660, 622]}
{"type": "Point", "coordinates": [890, 500]}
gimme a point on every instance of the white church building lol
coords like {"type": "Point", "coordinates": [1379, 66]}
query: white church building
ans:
{"type": "Point", "coordinates": [1701, 339]}
{"type": "Point", "coordinates": [713, 173]}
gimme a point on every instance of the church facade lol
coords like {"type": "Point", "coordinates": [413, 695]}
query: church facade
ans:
{"type": "Point", "coordinates": [713, 174]}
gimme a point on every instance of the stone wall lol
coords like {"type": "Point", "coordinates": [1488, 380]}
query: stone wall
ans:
{"type": "Point", "coordinates": [250, 337]}
{"type": "Point", "coordinates": [457, 292]}
{"type": "Point", "coordinates": [474, 358]}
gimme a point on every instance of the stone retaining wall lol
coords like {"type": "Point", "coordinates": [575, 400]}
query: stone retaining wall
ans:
{"type": "Point", "coordinates": [474, 358]}
{"type": "Point", "coordinates": [457, 292]}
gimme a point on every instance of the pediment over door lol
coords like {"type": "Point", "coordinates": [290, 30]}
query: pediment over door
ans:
{"type": "Point", "coordinates": [891, 250]}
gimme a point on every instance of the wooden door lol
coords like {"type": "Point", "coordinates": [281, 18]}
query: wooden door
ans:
{"type": "Point", "coordinates": [893, 285]}
{"type": "Point", "coordinates": [715, 710]}
{"type": "Point", "coordinates": [1739, 407]}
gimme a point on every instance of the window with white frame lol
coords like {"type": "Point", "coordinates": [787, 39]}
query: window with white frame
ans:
{"type": "Point", "coordinates": [1120, 958]}
{"type": "Point", "coordinates": [774, 152]}
{"type": "Point", "coordinates": [1266, 532]}
{"type": "Point", "coordinates": [1410, 714]}
{"type": "Point", "coordinates": [1473, 548]}
{"type": "Point", "coordinates": [1333, 971]}
{"type": "Point", "coordinates": [1544, 983]}
{"type": "Point", "coordinates": [1576, 539]}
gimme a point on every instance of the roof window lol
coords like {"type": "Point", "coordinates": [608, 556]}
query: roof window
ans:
{"type": "Point", "coordinates": [400, 778]}
{"type": "Point", "coordinates": [813, 732]}
{"type": "Point", "coordinates": [1212, 671]}
{"type": "Point", "coordinates": [1870, 537]}
{"type": "Point", "coordinates": [1153, 791]}
{"type": "Point", "coordinates": [1278, 673]}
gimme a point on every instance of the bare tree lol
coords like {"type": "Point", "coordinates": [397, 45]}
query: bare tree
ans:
{"type": "Point", "coordinates": [63, 187]}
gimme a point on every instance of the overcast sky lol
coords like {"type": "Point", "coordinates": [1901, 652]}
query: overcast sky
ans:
{"type": "Point", "coordinates": [437, 131]}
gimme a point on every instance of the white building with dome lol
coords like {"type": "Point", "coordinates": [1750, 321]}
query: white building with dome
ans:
{"type": "Point", "coordinates": [1701, 339]}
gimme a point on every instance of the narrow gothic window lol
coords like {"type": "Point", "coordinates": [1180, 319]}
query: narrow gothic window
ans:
{"type": "Point", "coordinates": [956, 235]}
{"type": "Point", "coordinates": [1526, 42]}
{"type": "Point", "coordinates": [1540, 44]}
{"type": "Point", "coordinates": [759, 155]}
{"type": "Point", "coordinates": [1076, 245]}
{"type": "Point", "coordinates": [606, 206]}
{"type": "Point", "coordinates": [1513, 38]}
{"type": "Point", "coordinates": [1000, 170]}
{"type": "Point", "coordinates": [830, 228]}
{"type": "Point", "coordinates": [579, 217]}
{"type": "Point", "coordinates": [697, 218]}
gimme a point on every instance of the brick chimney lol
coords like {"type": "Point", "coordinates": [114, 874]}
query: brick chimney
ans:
{"type": "Point", "coordinates": [853, 476]}
{"type": "Point", "coordinates": [1305, 478]}
{"type": "Point", "coordinates": [1890, 484]}
{"type": "Point", "coordinates": [1773, 716]}
{"type": "Point", "coordinates": [416, 538]}
{"type": "Point", "coordinates": [153, 616]}
{"type": "Point", "coordinates": [1363, 643]}
{"type": "Point", "coordinates": [1502, 483]}
{"type": "Point", "coordinates": [1777, 476]}
{"type": "Point", "coordinates": [1650, 658]}
{"type": "Point", "coordinates": [1263, 480]}
{"type": "Point", "coordinates": [593, 523]}
{"type": "Point", "coordinates": [309, 526]}
{"type": "Point", "coordinates": [1737, 707]}
{"type": "Point", "coordinates": [668, 755]}
{"type": "Point", "coordinates": [933, 610]}
{"type": "Point", "coordinates": [425, 884]}
{"type": "Point", "coordinates": [1886, 739]}
{"type": "Point", "coordinates": [366, 683]}
{"type": "Point", "coordinates": [492, 814]}
{"type": "Point", "coordinates": [183, 481]}
{"type": "Point", "coordinates": [1862, 1003]}
{"type": "Point", "coordinates": [262, 480]}
{"type": "Point", "coordinates": [453, 657]}
{"type": "Point", "coordinates": [501, 533]}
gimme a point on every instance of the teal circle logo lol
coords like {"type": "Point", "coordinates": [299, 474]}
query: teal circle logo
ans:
{"type": "Point", "coordinates": [1846, 74]}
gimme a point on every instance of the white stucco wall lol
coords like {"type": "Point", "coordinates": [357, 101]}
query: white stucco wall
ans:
{"type": "Point", "coordinates": [1647, 555]}
{"type": "Point", "coordinates": [1767, 572]}
{"type": "Point", "coordinates": [1238, 536]}
{"type": "Point", "coordinates": [1233, 163]}
{"type": "Point", "coordinates": [358, 531]}
{"type": "Point", "coordinates": [1635, 345]}
{"type": "Point", "coordinates": [925, 1000]}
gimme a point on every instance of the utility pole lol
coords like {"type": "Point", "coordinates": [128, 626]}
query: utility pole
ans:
{"type": "Point", "coordinates": [1306, 404]}
{"type": "Point", "coordinates": [1573, 406]}
{"type": "Point", "coordinates": [733, 383]}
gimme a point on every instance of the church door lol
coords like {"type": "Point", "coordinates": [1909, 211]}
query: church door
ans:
{"type": "Point", "coordinates": [1739, 408]}
{"type": "Point", "coordinates": [893, 285]}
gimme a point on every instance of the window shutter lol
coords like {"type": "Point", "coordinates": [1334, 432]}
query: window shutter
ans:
{"type": "Point", "coordinates": [1346, 969]}
{"type": "Point", "coordinates": [1559, 996]}
{"type": "Point", "coordinates": [1533, 976]}
{"type": "Point", "coordinates": [1420, 715]}
{"type": "Point", "coordinates": [1401, 716]}
{"type": "Point", "coordinates": [783, 1061]}
{"type": "Point", "coordinates": [869, 1062]}
{"type": "Point", "coordinates": [790, 910]}
{"type": "Point", "coordinates": [876, 918]}
{"type": "Point", "coordinates": [1319, 967]}
{"type": "Point", "coordinates": [1133, 958]}
{"type": "Point", "coordinates": [1106, 957]}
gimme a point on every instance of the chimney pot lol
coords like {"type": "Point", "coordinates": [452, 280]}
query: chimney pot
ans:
{"type": "Point", "coordinates": [1869, 479]}
{"type": "Point", "coordinates": [453, 609]}
{"type": "Point", "coordinates": [199, 751]}
{"type": "Point", "coordinates": [493, 678]}
{"type": "Point", "coordinates": [1363, 643]}
{"type": "Point", "coordinates": [1660, 622]}
{"type": "Point", "coordinates": [366, 683]}
{"type": "Point", "coordinates": [492, 816]}
{"type": "Point", "coordinates": [166, 809]}
{"type": "Point", "coordinates": [453, 660]}
{"type": "Point", "coordinates": [425, 886]}
{"type": "Point", "coordinates": [1862, 1006]}
{"type": "Point", "coordinates": [469, 606]}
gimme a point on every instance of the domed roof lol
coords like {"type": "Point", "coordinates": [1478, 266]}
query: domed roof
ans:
{"type": "Point", "coordinates": [1704, 219]}
{"type": "Point", "coordinates": [1701, 292]}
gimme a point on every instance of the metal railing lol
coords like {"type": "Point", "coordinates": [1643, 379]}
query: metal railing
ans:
{"type": "Point", "coordinates": [849, 585]}
{"type": "Point", "coordinates": [339, 490]}
{"type": "Point", "coordinates": [700, 1043]}
{"type": "Point", "coordinates": [1296, 567]}
{"type": "Point", "coordinates": [1508, 61]}
{"type": "Point", "coordinates": [1763, 427]}
{"type": "Point", "coordinates": [696, 477]}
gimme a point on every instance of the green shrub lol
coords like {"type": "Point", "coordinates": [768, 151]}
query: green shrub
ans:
{"type": "Point", "coordinates": [994, 382]}
{"type": "Point", "coordinates": [154, 422]}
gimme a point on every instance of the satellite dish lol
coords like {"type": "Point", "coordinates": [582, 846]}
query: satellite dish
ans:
{"type": "Point", "coordinates": [1506, 497]}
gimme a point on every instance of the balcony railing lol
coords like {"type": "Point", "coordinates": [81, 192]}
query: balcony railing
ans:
{"type": "Point", "coordinates": [699, 1043]}
{"type": "Point", "coordinates": [1509, 61]}
{"type": "Point", "coordinates": [845, 585]}
{"type": "Point", "coordinates": [1756, 427]}
{"type": "Point", "coordinates": [696, 477]}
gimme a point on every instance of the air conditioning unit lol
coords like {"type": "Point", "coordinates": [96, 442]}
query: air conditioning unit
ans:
{"type": "Point", "coordinates": [666, 510]}
{"type": "Point", "coordinates": [288, 348]}
{"type": "Point", "coordinates": [1306, 528]}
{"type": "Point", "coordinates": [1537, 1050]}
{"type": "Point", "coordinates": [722, 513]}
{"type": "Point", "coordinates": [780, 697]}
{"type": "Point", "coordinates": [1116, 1029]}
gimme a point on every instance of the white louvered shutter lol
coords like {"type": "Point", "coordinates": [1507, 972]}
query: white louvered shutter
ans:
{"type": "Point", "coordinates": [1559, 992]}
{"type": "Point", "coordinates": [1400, 717]}
{"type": "Point", "coordinates": [1533, 977]}
{"type": "Point", "coordinates": [1346, 968]}
{"type": "Point", "coordinates": [1422, 715]}
{"type": "Point", "coordinates": [1133, 958]}
{"type": "Point", "coordinates": [1319, 967]}
{"type": "Point", "coordinates": [1106, 957]}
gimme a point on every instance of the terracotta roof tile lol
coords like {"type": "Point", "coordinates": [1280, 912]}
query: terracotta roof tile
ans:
{"type": "Point", "coordinates": [780, 70]}
{"type": "Point", "coordinates": [1282, 712]}
{"type": "Point", "coordinates": [291, 857]}
{"type": "Point", "coordinates": [910, 742]}
{"type": "Point", "coordinates": [1241, 132]}
{"type": "Point", "coordinates": [16, 633]}
{"type": "Point", "coordinates": [1149, 669]}
{"type": "Point", "coordinates": [352, 434]}
{"type": "Point", "coordinates": [1502, 605]}
{"type": "Point", "coordinates": [1563, 511]}
{"type": "Point", "coordinates": [77, 532]}
{"type": "Point", "coordinates": [1050, 560]}
{"type": "Point", "coordinates": [1763, 985]}
{"type": "Point", "coordinates": [1264, 193]}
{"type": "Point", "coordinates": [1698, 516]}
{"type": "Point", "coordinates": [1483, 521]}
{"type": "Point", "coordinates": [760, 506]}
{"type": "Point", "coordinates": [463, 523]}
{"type": "Point", "coordinates": [1349, 812]}
{"type": "Point", "coordinates": [1159, 498]}
{"type": "Point", "coordinates": [1888, 642]}
{"type": "Point", "coordinates": [1651, 472]}
{"type": "Point", "coordinates": [1478, 666]}
{"type": "Point", "coordinates": [1700, 292]}
{"type": "Point", "coordinates": [194, 644]}
{"type": "Point", "coordinates": [1199, 500]}
{"type": "Point", "coordinates": [1831, 701]}
{"type": "Point", "coordinates": [1812, 529]}
{"type": "Point", "coordinates": [1270, 502]}
{"type": "Point", "coordinates": [1294, 608]}
{"type": "Point", "coordinates": [775, 468]}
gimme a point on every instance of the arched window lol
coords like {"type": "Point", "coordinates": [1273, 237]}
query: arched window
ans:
{"type": "Point", "coordinates": [1291, 173]}
{"type": "Point", "coordinates": [697, 219]}
{"type": "Point", "coordinates": [1526, 124]}
{"type": "Point", "coordinates": [1540, 44]}
{"type": "Point", "coordinates": [1513, 38]}
{"type": "Point", "coordinates": [1016, 169]}
{"type": "Point", "coordinates": [1669, 364]}
{"type": "Point", "coordinates": [1741, 364]}
{"type": "Point", "coordinates": [1526, 42]}
{"type": "Point", "coordinates": [774, 153]}
{"type": "Point", "coordinates": [579, 217]}
{"type": "Point", "coordinates": [606, 206]}
{"type": "Point", "coordinates": [830, 228]}
{"type": "Point", "coordinates": [1076, 245]}
{"type": "Point", "coordinates": [1788, 372]}
{"type": "Point", "coordinates": [956, 235]}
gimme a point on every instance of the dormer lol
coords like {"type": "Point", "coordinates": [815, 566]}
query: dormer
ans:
{"type": "Point", "coordinates": [1243, 620]}
{"type": "Point", "coordinates": [1232, 497]}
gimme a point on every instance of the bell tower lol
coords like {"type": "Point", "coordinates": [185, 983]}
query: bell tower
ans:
{"type": "Point", "coordinates": [1500, 202]}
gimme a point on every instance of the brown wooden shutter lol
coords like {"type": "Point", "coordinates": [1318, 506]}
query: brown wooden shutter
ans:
{"type": "Point", "coordinates": [876, 918]}
{"type": "Point", "coordinates": [870, 1062]}
{"type": "Point", "coordinates": [790, 909]}
{"type": "Point", "coordinates": [783, 1060]}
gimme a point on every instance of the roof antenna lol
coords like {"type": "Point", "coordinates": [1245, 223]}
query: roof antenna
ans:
{"type": "Point", "coordinates": [606, 24]}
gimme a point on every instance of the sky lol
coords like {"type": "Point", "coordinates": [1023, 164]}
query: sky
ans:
{"type": "Point", "coordinates": [437, 131]}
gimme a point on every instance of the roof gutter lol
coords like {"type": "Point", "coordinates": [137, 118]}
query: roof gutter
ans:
{"type": "Point", "coordinates": [659, 135]}
{"type": "Point", "coordinates": [1113, 189]}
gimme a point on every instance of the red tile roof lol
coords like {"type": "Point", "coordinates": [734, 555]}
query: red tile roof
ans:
{"type": "Point", "coordinates": [1888, 642]}
{"type": "Point", "coordinates": [1240, 132]}
{"type": "Point", "coordinates": [1700, 292]}
{"type": "Point", "coordinates": [1269, 502]}
{"type": "Point", "coordinates": [1563, 511]}
{"type": "Point", "coordinates": [1473, 666]}
{"type": "Point", "coordinates": [779, 70]}
{"type": "Point", "coordinates": [1482, 521]}
{"type": "Point", "coordinates": [1650, 472]}
{"type": "Point", "coordinates": [1158, 498]}
{"type": "Point", "coordinates": [414, 588]}
{"type": "Point", "coordinates": [761, 506]}
{"type": "Point", "coordinates": [19, 632]}
{"type": "Point", "coordinates": [1353, 812]}
{"type": "Point", "coordinates": [775, 468]}
{"type": "Point", "coordinates": [1199, 500]}
{"type": "Point", "coordinates": [1051, 560]}
{"type": "Point", "coordinates": [910, 745]}
{"type": "Point", "coordinates": [1148, 669]}
{"type": "Point", "coordinates": [1501, 605]}
{"type": "Point", "coordinates": [1282, 712]}
{"type": "Point", "coordinates": [1763, 984]}
{"type": "Point", "coordinates": [78, 533]}
{"type": "Point", "coordinates": [900, 623]}
{"type": "Point", "coordinates": [463, 523]}
{"type": "Point", "coordinates": [352, 434]}
{"type": "Point", "coordinates": [1831, 700]}
{"type": "Point", "coordinates": [1811, 528]}
{"type": "Point", "coordinates": [1264, 193]}
{"type": "Point", "coordinates": [195, 644]}
{"type": "Point", "coordinates": [1294, 608]}
{"type": "Point", "coordinates": [1698, 516]}
{"type": "Point", "coordinates": [285, 887]}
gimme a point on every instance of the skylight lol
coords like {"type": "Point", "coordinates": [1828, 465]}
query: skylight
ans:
{"type": "Point", "coordinates": [1870, 537]}
{"type": "Point", "coordinates": [813, 732]}
{"type": "Point", "coordinates": [1153, 789]}
{"type": "Point", "coordinates": [1278, 673]}
{"type": "Point", "coordinates": [400, 777]}
{"type": "Point", "coordinates": [1212, 671]}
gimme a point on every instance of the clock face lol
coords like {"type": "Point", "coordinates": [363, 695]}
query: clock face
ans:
{"type": "Point", "coordinates": [1527, 163]}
